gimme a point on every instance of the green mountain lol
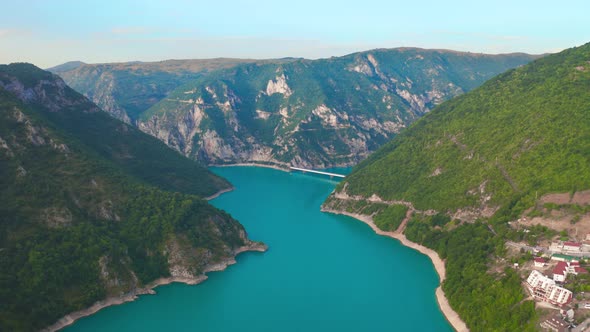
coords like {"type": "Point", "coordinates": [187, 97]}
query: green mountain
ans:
{"type": "Point", "coordinates": [127, 89]}
{"type": "Point", "coordinates": [92, 208]}
{"type": "Point", "coordinates": [140, 155]}
{"type": "Point", "coordinates": [474, 164]}
{"type": "Point", "coordinates": [523, 133]}
{"type": "Point", "coordinates": [314, 113]}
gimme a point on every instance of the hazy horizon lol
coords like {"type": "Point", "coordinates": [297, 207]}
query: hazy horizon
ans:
{"type": "Point", "coordinates": [50, 33]}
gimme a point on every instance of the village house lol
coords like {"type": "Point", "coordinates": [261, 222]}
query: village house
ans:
{"type": "Point", "coordinates": [575, 268]}
{"type": "Point", "coordinates": [572, 246]}
{"type": "Point", "coordinates": [556, 324]}
{"type": "Point", "coordinates": [539, 261]}
{"type": "Point", "coordinates": [559, 272]}
{"type": "Point", "coordinates": [562, 269]}
{"type": "Point", "coordinates": [544, 288]}
{"type": "Point", "coordinates": [567, 246]}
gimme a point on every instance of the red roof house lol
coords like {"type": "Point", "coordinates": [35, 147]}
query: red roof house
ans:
{"type": "Point", "coordinates": [540, 261]}
{"type": "Point", "coordinates": [560, 271]}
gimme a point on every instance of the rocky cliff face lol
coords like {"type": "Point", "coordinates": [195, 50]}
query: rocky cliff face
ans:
{"type": "Point", "coordinates": [322, 113]}
{"type": "Point", "coordinates": [125, 90]}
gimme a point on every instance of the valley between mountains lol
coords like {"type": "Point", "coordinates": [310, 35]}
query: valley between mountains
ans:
{"type": "Point", "coordinates": [310, 113]}
{"type": "Point", "coordinates": [480, 161]}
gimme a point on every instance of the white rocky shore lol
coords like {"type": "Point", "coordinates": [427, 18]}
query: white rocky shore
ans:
{"type": "Point", "coordinates": [451, 315]}
{"type": "Point", "coordinates": [149, 288]}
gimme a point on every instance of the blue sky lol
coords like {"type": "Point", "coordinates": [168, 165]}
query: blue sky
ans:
{"type": "Point", "coordinates": [50, 32]}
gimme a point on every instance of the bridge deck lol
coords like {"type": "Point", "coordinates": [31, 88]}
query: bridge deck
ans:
{"type": "Point", "coordinates": [317, 172]}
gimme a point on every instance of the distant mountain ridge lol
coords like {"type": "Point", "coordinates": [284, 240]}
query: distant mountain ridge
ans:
{"type": "Point", "coordinates": [312, 113]}
{"type": "Point", "coordinates": [65, 67]}
{"type": "Point", "coordinates": [126, 89]}
{"type": "Point", "coordinates": [92, 208]}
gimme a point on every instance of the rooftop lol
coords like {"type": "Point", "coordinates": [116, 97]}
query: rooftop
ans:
{"type": "Point", "coordinates": [566, 257]}
{"type": "Point", "coordinates": [560, 268]}
{"type": "Point", "coordinates": [572, 244]}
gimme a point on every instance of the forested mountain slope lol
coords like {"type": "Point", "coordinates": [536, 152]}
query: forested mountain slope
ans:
{"type": "Point", "coordinates": [138, 154]}
{"type": "Point", "coordinates": [83, 213]}
{"type": "Point", "coordinates": [520, 135]}
{"type": "Point", "coordinates": [473, 165]}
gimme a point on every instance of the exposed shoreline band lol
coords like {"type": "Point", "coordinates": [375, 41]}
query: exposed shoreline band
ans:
{"type": "Point", "coordinates": [450, 314]}
{"type": "Point", "coordinates": [70, 318]}
{"type": "Point", "coordinates": [219, 193]}
{"type": "Point", "coordinates": [273, 166]}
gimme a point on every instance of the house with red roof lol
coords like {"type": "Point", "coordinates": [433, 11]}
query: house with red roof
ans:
{"type": "Point", "coordinates": [575, 268]}
{"type": "Point", "coordinates": [572, 246]}
{"type": "Point", "coordinates": [540, 261]}
{"type": "Point", "coordinates": [560, 271]}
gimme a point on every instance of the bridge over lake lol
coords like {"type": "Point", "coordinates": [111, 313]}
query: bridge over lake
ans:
{"type": "Point", "coordinates": [304, 170]}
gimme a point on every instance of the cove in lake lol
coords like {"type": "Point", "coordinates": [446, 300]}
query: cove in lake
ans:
{"type": "Point", "coordinates": [322, 272]}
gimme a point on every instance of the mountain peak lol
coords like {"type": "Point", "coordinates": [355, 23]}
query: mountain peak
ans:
{"type": "Point", "coordinates": [70, 65]}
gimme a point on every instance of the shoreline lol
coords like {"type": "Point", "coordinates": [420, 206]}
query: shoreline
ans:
{"type": "Point", "coordinates": [284, 168]}
{"type": "Point", "coordinates": [223, 191]}
{"type": "Point", "coordinates": [133, 295]}
{"type": "Point", "coordinates": [273, 166]}
{"type": "Point", "coordinates": [219, 193]}
{"type": "Point", "coordinates": [452, 317]}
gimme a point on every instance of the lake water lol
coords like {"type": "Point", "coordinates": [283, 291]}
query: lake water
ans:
{"type": "Point", "coordinates": [322, 272]}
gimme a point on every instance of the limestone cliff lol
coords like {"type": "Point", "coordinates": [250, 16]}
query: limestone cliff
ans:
{"type": "Point", "coordinates": [321, 113]}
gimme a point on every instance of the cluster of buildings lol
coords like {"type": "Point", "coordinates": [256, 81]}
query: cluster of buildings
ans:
{"type": "Point", "coordinates": [567, 246]}
{"type": "Point", "coordinates": [565, 255]}
{"type": "Point", "coordinates": [562, 269]}
{"type": "Point", "coordinates": [558, 323]}
{"type": "Point", "coordinates": [546, 289]}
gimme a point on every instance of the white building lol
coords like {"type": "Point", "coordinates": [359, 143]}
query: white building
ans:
{"type": "Point", "coordinates": [545, 289]}
{"type": "Point", "coordinates": [562, 269]}
{"type": "Point", "coordinates": [572, 246]}
{"type": "Point", "coordinates": [560, 272]}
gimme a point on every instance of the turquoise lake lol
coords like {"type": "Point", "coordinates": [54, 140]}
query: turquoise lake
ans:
{"type": "Point", "coordinates": [322, 272]}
